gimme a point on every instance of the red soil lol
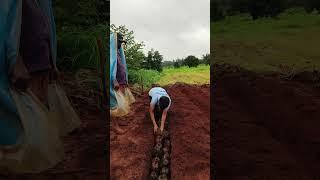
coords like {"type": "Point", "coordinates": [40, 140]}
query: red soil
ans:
{"type": "Point", "coordinates": [85, 156]}
{"type": "Point", "coordinates": [190, 136]}
{"type": "Point", "coordinates": [265, 127]}
{"type": "Point", "coordinates": [130, 153]}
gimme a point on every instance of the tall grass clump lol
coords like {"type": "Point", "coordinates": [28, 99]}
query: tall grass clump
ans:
{"type": "Point", "coordinates": [143, 77]}
{"type": "Point", "coordinates": [78, 49]}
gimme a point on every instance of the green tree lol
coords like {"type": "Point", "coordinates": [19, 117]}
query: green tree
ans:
{"type": "Point", "coordinates": [133, 49]}
{"type": "Point", "coordinates": [167, 63]}
{"type": "Point", "coordinates": [153, 60]}
{"type": "Point", "coordinates": [176, 64]}
{"type": "Point", "coordinates": [191, 61]}
{"type": "Point", "coordinates": [205, 59]}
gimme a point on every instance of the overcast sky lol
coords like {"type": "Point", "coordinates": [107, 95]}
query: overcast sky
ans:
{"type": "Point", "coordinates": [176, 28]}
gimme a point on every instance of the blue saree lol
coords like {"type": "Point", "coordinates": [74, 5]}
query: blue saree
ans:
{"type": "Point", "coordinates": [113, 68]}
{"type": "Point", "coordinates": [10, 25]}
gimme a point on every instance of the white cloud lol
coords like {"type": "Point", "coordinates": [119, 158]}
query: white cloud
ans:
{"type": "Point", "coordinates": [176, 28]}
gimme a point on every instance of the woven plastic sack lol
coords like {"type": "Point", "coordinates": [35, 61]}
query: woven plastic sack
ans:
{"type": "Point", "coordinates": [40, 147]}
{"type": "Point", "coordinates": [122, 107]}
{"type": "Point", "coordinates": [67, 119]}
{"type": "Point", "coordinates": [129, 97]}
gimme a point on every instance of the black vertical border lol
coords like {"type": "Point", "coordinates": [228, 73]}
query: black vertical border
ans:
{"type": "Point", "coordinates": [106, 109]}
{"type": "Point", "coordinates": [212, 85]}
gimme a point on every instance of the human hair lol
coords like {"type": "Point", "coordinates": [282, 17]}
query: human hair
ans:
{"type": "Point", "coordinates": [163, 102]}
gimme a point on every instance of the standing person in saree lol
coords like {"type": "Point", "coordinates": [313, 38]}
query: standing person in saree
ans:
{"type": "Point", "coordinates": [29, 131]}
{"type": "Point", "coordinates": [120, 94]}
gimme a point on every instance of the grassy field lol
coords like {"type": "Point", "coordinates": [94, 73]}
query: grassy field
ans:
{"type": "Point", "coordinates": [197, 75]}
{"type": "Point", "coordinates": [262, 45]}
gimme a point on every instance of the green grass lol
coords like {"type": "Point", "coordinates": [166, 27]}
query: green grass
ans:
{"type": "Point", "coordinates": [144, 76]}
{"type": "Point", "coordinates": [196, 75]}
{"type": "Point", "coordinates": [264, 44]}
{"type": "Point", "coordinates": [77, 48]}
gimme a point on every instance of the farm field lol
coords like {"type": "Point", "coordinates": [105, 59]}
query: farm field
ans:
{"type": "Point", "coordinates": [264, 44]}
{"type": "Point", "coordinates": [266, 96]}
{"type": "Point", "coordinates": [189, 121]}
{"type": "Point", "coordinates": [194, 75]}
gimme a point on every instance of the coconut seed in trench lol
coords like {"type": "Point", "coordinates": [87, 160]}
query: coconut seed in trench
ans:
{"type": "Point", "coordinates": [155, 165]}
{"type": "Point", "coordinates": [165, 162]}
{"type": "Point", "coordinates": [166, 156]}
{"type": "Point", "coordinates": [165, 171]}
{"type": "Point", "coordinates": [157, 150]}
{"type": "Point", "coordinates": [153, 175]}
{"type": "Point", "coordinates": [167, 143]}
{"type": "Point", "coordinates": [165, 150]}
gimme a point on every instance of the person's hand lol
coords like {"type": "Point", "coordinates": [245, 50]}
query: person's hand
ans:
{"type": "Point", "coordinates": [20, 76]}
{"type": "Point", "coordinates": [116, 85]}
{"type": "Point", "coordinates": [155, 129]}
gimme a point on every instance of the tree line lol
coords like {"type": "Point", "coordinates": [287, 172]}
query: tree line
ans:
{"type": "Point", "coordinates": [153, 60]}
{"type": "Point", "coordinates": [259, 8]}
{"type": "Point", "coordinates": [190, 61]}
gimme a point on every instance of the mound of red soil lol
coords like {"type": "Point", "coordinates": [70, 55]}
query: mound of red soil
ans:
{"type": "Point", "coordinates": [265, 127]}
{"type": "Point", "coordinates": [190, 136]}
{"type": "Point", "coordinates": [85, 147]}
{"type": "Point", "coordinates": [190, 132]}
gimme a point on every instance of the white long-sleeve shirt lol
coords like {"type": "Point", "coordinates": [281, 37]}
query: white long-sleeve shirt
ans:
{"type": "Point", "coordinates": [156, 93]}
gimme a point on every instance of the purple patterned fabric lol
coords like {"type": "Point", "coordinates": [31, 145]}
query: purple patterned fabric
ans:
{"type": "Point", "coordinates": [121, 71]}
{"type": "Point", "coordinates": [35, 37]}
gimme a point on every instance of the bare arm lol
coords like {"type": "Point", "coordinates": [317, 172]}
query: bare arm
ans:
{"type": "Point", "coordinates": [152, 118]}
{"type": "Point", "coordinates": [163, 119]}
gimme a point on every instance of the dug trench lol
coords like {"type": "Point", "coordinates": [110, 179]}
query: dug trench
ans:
{"type": "Point", "coordinates": [161, 153]}
{"type": "Point", "coordinates": [264, 127]}
{"type": "Point", "coordinates": [189, 127]}
{"type": "Point", "coordinates": [85, 148]}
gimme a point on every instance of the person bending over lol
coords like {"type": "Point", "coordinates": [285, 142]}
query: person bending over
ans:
{"type": "Point", "coordinates": [159, 105]}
